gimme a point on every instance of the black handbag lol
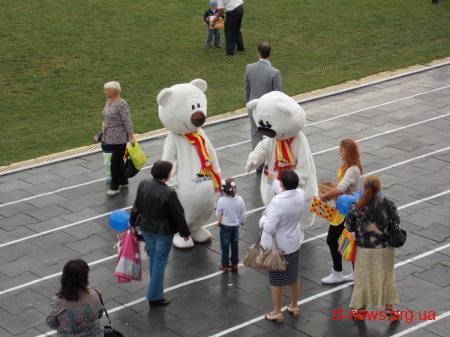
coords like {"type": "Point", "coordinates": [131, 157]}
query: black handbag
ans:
{"type": "Point", "coordinates": [397, 236]}
{"type": "Point", "coordinates": [130, 170]}
{"type": "Point", "coordinates": [108, 330]}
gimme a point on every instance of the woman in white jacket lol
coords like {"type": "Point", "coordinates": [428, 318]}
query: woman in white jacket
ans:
{"type": "Point", "coordinates": [281, 222]}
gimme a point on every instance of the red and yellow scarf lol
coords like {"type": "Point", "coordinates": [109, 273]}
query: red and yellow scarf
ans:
{"type": "Point", "coordinates": [284, 157]}
{"type": "Point", "coordinates": [207, 168]}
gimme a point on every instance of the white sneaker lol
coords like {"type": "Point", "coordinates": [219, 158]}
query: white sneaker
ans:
{"type": "Point", "coordinates": [349, 277]}
{"type": "Point", "coordinates": [112, 192]}
{"type": "Point", "coordinates": [334, 277]}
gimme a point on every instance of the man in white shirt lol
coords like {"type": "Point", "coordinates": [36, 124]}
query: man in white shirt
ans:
{"type": "Point", "coordinates": [234, 11]}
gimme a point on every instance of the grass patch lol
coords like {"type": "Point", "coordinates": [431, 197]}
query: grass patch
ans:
{"type": "Point", "coordinates": [56, 55]}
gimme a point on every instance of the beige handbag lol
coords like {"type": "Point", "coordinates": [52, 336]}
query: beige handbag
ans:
{"type": "Point", "coordinates": [271, 259]}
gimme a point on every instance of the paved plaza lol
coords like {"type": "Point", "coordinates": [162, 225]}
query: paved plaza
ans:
{"type": "Point", "coordinates": [58, 212]}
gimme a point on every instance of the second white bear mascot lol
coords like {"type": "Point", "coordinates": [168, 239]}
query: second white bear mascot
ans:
{"type": "Point", "coordinates": [195, 175]}
{"type": "Point", "coordinates": [281, 119]}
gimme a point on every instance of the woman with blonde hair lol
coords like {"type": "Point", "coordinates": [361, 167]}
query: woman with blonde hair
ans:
{"type": "Point", "coordinates": [370, 218]}
{"type": "Point", "coordinates": [349, 181]}
{"type": "Point", "coordinates": [117, 131]}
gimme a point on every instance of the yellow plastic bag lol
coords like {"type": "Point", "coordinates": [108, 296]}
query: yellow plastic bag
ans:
{"type": "Point", "coordinates": [326, 211]}
{"type": "Point", "coordinates": [138, 157]}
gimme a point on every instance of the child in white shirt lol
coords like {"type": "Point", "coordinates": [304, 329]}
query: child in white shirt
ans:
{"type": "Point", "coordinates": [230, 211]}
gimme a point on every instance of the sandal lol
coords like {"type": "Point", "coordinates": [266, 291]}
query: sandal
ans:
{"type": "Point", "coordinates": [294, 311]}
{"type": "Point", "coordinates": [358, 315]}
{"type": "Point", "coordinates": [277, 318]}
{"type": "Point", "coordinates": [392, 314]}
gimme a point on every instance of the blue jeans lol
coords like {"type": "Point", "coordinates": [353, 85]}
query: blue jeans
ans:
{"type": "Point", "coordinates": [158, 248]}
{"type": "Point", "coordinates": [229, 236]}
{"type": "Point", "coordinates": [209, 36]}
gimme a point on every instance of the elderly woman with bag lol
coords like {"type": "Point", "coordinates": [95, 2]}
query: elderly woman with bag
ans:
{"type": "Point", "coordinates": [370, 218]}
{"type": "Point", "coordinates": [282, 223]}
{"type": "Point", "coordinates": [76, 310]}
{"type": "Point", "coordinates": [117, 131]}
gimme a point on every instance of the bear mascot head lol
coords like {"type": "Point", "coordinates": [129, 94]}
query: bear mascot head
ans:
{"type": "Point", "coordinates": [281, 119]}
{"type": "Point", "coordinates": [183, 107]}
{"type": "Point", "coordinates": [277, 115]}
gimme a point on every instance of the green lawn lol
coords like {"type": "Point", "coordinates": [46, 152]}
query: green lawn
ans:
{"type": "Point", "coordinates": [56, 55]}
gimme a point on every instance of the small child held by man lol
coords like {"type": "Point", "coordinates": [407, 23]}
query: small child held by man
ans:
{"type": "Point", "coordinates": [213, 31]}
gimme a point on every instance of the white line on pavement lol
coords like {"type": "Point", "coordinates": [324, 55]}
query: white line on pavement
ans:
{"type": "Point", "coordinates": [126, 208]}
{"type": "Point", "coordinates": [48, 277]}
{"type": "Point", "coordinates": [228, 146]}
{"type": "Point", "coordinates": [237, 327]}
{"type": "Point", "coordinates": [379, 105]}
{"type": "Point", "coordinates": [324, 293]}
{"type": "Point", "coordinates": [388, 132]}
{"type": "Point", "coordinates": [209, 225]}
{"type": "Point", "coordinates": [421, 325]}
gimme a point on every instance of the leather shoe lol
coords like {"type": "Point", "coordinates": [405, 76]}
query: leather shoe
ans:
{"type": "Point", "coordinates": [159, 303]}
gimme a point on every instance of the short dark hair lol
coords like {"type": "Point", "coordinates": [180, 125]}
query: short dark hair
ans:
{"type": "Point", "coordinates": [289, 179]}
{"type": "Point", "coordinates": [74, 280]}
{"type": "Point", "coordinates": [264, 49]}
{"type": "Point", "coordinates": [161, 169]}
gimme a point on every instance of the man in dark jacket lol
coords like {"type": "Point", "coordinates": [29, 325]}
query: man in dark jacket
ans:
{"type": "Point", "coordinates": [159, 213]}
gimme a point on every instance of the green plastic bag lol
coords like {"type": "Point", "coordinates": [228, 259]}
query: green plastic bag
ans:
{"type": "Point", "coordinates": [138, 157]}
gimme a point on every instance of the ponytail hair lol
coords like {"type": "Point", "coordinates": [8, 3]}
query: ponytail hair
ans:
{"type": "Point", "coordinates": [372, 186]}
{"type": "Point", "coordinates": [229, 187]}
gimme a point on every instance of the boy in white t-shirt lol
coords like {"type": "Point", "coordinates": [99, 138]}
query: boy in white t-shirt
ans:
{"type": "Point", "coordinates": [230, 211]}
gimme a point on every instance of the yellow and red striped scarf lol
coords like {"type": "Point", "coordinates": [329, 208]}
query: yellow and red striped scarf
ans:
{"type": "Point", "coordinates": [207, 168]}
{"type": "Point", "coordinates": [284, 157]}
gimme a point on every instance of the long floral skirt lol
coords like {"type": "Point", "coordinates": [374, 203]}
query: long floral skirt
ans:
{"type": "Point", "coordinates": [374, 278]}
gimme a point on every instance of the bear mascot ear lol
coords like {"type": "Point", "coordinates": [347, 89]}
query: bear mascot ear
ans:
{"type": "Point", "coordinates": [284, 109]}
{"type": "Point", "coordinates": [252, 104]}
{"type": "Point", "coordinates": [163, 96]}
{"type": "Point", "coordinates": [199, 83]}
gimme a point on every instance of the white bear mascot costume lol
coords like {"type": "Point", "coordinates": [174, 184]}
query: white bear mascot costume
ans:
{"type": "Point", "coordinates": [195, 173]}
{"type": "Point", "coordinates": [281, 119]}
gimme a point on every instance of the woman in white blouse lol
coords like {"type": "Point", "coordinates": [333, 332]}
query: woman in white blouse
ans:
{"type": "Point", "coordinates": [281, 221]}
{"type": "Point", "coordinates": [349, 182]}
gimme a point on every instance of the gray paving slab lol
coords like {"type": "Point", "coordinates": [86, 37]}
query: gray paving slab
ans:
{"type": "Point", "coordinates": [23, 321]}
{"type": "Point", "coordinates": [250, 295]}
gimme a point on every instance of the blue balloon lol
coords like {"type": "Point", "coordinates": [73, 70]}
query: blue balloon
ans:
{"type": "Point", "coordinates": [344, 202]}
{"type": "Point", "coordinates": [358, 194]}
{"type": "Point", "coordinates": [118, 220]}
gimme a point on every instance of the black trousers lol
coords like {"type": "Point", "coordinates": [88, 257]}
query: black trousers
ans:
{"type": "Point", "coordinates": [118, 166]}
{"type": "Point", "coordinates": [233, 35]}
{"type": "Point", "coordinates": [334, 232]}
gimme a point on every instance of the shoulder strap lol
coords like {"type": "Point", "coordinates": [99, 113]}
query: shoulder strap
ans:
{"type": "Point", "coordinates": [103, 305]}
